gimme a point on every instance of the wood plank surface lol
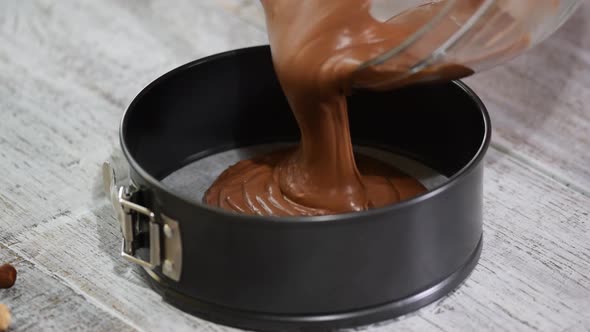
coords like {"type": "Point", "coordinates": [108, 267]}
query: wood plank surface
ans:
{"type": "Point", "coordinates": [69, 68]}
{"type": "Point", "coordinates": [540, 104]}
{"type": "Point", "coordinates": [41, 300]}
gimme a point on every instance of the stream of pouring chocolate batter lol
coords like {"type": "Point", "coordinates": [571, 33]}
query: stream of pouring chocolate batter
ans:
{"type": "Point", "coordinates": [313, 52]}
{"type": "Point", "coordinates": [317, 47]}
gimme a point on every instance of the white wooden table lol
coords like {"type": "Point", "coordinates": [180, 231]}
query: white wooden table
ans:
{"type": "Point", "coordinates": [69, 68]}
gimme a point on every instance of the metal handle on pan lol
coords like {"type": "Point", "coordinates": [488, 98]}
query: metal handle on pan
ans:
{"type": "Point", "coordinates": [132, 217]}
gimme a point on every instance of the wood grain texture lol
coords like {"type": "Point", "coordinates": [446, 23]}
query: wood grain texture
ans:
{"type": "Point", "coordinates": [42, 301]}
{"type": "Point", "coordinates": [69, 68]}
{"type": "Point", "coordinates": [540, 104]}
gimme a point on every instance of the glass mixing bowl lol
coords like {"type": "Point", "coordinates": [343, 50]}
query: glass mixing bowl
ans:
{"type": "Point", "coordinates": [456, 38]}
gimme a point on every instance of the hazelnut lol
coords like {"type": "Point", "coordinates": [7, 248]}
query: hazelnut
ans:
{"type": "Point", "coordinates": [7, 276]}
{"type": "Point", "coordinates": [5, 318]}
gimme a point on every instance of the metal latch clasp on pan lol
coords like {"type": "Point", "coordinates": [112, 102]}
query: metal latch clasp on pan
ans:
{"type": "Point", "coordinates": [166, 252]}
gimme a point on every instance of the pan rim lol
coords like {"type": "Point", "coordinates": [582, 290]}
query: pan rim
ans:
{"type": "Point", "coordinates": [473, 163]}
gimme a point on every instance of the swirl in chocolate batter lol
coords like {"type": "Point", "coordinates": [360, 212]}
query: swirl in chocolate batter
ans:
{"type": "Point", "coordinates": [253, 187]}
